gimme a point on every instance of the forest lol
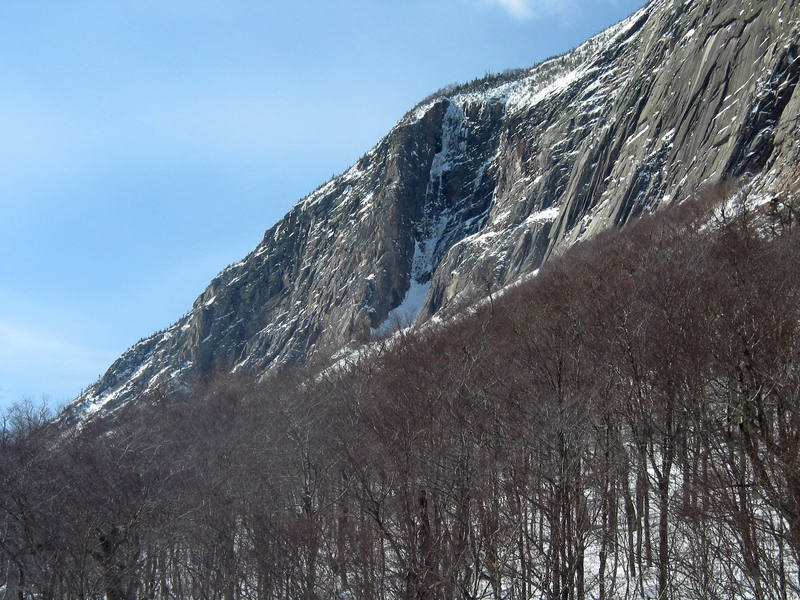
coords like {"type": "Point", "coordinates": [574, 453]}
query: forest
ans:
{"type": "Point", "coordinates": [625, 424]}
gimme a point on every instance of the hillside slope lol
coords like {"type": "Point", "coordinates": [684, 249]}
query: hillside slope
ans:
{"type": "Point", "coordinates": [479, 185]}
{"type": "Point", "coordinates": [625, 425]}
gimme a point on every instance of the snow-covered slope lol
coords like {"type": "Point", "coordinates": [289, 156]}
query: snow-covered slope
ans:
{"type": "Point", "coordinates": [478, 185]}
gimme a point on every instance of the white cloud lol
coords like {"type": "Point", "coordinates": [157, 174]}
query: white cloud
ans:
{"type": "Point", "coordinates": [530, 9]}
{"type": "Point", "coordinates": [519, 9]}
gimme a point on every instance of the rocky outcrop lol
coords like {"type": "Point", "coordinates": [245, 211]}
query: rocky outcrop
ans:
{"type": "Point", "coordinates": [479, 185]}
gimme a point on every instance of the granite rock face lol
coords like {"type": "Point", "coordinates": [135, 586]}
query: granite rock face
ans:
{"type": "Point", "coordinates": [478, 185]}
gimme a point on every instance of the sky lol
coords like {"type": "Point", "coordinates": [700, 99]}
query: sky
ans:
{"type": "Point", "coordinates": [145, 145]}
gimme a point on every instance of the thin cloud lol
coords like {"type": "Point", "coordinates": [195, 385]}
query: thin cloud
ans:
{"type": "Point", "coordinates": [22, 346]}
{"type": "Point", "coordinates": [524, 10]}
{"type": "Point", "coordinates": [519, 9]}
{"type": "Point", "coordinates": [239, 124]}
{"type": "Point", "coordinates": [36, 364]}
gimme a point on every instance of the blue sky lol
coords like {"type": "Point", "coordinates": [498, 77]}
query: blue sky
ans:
{"type": "Point", "coordinates": [145, 145]}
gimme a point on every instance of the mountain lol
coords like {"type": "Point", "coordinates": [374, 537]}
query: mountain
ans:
{"type": "Point", "coordinates": [480, 184]}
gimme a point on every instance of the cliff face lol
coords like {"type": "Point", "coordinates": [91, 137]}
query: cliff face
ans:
{"type": "Point", "coordinates": [477, 186]}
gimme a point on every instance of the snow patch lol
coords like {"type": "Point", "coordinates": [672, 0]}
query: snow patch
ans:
{"type": "Point", "coordinates": [406, 313]}
{"type": "Point", "coordinates": [543, 216]}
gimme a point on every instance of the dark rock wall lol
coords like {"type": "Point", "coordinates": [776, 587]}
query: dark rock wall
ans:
{"type": "Point", "coordinates": [475, 188]}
